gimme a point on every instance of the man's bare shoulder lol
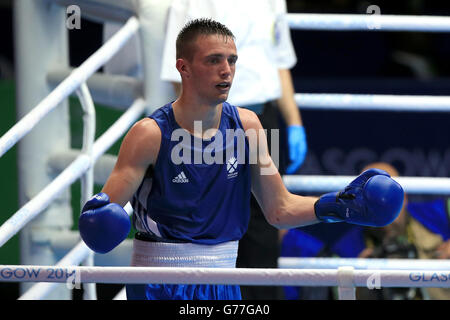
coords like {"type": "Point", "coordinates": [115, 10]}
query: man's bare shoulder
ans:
{"type": "Point", "coordinates": [142, 142]}
{"type": "Point", "coordinates": [146, 129]}
{"type": "Point", "coordinates": [249, 119]}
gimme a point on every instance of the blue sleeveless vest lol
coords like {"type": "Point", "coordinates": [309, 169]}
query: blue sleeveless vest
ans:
{"type": "Point", "coordinates": [206, 202]}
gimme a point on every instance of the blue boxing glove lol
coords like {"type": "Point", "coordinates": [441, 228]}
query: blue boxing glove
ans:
{"type": "Point", "coordinates": [103, 225]}
{"type": "Point", "coordinates": [373, 199]}
{"type": "Point", "coordinates": [297, 147]}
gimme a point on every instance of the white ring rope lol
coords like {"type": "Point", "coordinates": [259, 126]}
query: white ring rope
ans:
{"type": "Point", "coordinates": [40, 290]}
{"type": "Point", "coordinates": [411, 185]}
{"type": "Point", "coordinates": [237, 276]}
{"type": "Point", "coordinates": [43, 199]}
{"type": "Point", "coordinates": [373, 102]}
{"type": "Point", "coordinates": [366, 22]}
{"type": "Point", "coordinates": [357, 263]}
{"type": "Point", "coordinates": [74, 171]}
{"type": "Point", "coordinates": [69, 85]}
{"type": "Point", "coordinates": [87, 180]}
{"type": "Point", "coordinates": [78, 253]}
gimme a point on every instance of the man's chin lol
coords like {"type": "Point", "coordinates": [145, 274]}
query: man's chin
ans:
{"type": "Point", "coordinates": [221, 99]}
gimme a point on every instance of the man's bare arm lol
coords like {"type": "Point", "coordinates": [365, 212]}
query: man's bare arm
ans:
{"type": "Point", "coordinates": [281, 208]}
{"type": "Point", "coordinates": [138, 151]}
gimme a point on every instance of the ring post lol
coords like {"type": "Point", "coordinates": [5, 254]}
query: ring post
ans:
{"type": "Point", "coordinates": [346, 288]}
{"type": "Point", "coordinates": [36, 53]}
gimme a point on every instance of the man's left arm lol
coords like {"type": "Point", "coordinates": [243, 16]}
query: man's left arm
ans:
{"type": "Point", "coordinates": [280, 207]}
{"type": "Point", "coordinates": [372, 199]}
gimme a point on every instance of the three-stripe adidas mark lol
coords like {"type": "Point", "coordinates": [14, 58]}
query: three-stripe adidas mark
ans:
{"type": "Point", "coordinates": [181, 178]}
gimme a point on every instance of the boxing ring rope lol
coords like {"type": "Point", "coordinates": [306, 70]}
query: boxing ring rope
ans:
{"type": "Point", "coordinates": [238, 276]}
{"type": "Point", "coordinates": [359, 263]}
{"type": "Point", "coordinates": [69, 85]}
{"type": "Point", "coordinates": [75, 256]}
{"type": "Point", "coordinates": [367, 22]}
{"type": "Point", "coordinates": [411, 185]}
{"type": "Point", "coordinates": [64, 180]}
{"type": "Point", "coordinates": [344, 277]}
{"type": "Point", "coordinates": [83, 162]}
{"type": "Point", "coordinates": [373, 102]}
{"type": "Point", "coordinates": [82, 166]}
{"type": "Point", "coordinates": [74, 171]}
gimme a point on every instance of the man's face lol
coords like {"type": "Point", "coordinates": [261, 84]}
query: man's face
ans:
{"type": "Point", "coordinates": [212, 67]}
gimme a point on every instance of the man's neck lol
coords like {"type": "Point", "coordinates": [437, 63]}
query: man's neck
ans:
{"type": "Point", "coordinates": [187, 113]}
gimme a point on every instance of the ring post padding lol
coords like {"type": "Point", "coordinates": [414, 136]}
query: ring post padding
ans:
{"type": "Point", "coordinates": [346, 288]}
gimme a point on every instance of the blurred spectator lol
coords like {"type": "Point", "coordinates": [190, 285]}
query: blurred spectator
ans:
{"type": "Point", "coordinates": [394, 241]}
{"type": "Point", "coordinates": [321, 240]}
{"type": "Point", "coordinates": [422, 231]}
{"type": "Point", "coordinates": [429, 223]}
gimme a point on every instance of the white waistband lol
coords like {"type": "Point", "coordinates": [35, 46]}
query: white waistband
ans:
{"type": "Point", "coordinates": [163, 254]}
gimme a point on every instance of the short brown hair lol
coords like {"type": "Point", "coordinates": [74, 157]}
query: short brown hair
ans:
{"type": "Point", "coordinates": [194, 28]}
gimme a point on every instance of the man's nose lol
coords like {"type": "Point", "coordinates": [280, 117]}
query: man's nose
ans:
{"type": "Point", "coordinates": [226, 69]}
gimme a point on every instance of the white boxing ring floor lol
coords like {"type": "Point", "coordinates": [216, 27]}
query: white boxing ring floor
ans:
{"type": "Point", "coordinates": [346, 274]}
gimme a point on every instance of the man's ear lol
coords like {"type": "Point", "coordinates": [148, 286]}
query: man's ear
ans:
{"type": "Point", "coordinates": [183, 68]}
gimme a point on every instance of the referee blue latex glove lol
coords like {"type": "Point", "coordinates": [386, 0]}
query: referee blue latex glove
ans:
{"type": "Point", "coordinates": [297, 147]}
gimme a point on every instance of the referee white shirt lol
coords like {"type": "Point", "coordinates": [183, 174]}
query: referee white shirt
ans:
{"type": "Point", "coordinates": [263, 44]}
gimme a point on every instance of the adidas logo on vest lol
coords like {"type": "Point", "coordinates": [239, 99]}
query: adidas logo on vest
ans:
{"type": "Point", "coordinates": [181, 178]}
